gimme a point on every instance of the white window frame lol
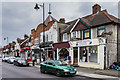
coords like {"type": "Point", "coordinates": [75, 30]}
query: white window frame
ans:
{"type": "Point", "coordinates": [65, 38]}
{"type": "Point", "coordinates": [72, 34]}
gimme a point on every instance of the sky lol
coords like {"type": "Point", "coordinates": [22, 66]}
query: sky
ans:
{"type": "Point", "coordinates": [18, 18]}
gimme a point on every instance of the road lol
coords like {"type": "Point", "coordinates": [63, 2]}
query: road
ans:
{"type": "Point", "coordinates": [11, 71]}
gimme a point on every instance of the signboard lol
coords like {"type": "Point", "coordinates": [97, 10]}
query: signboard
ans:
{"type": "Point", "coordinates": [87, 42]}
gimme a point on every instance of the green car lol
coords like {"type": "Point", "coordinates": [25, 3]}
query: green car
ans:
{"type": "Point", "coordinates": [57, 67]}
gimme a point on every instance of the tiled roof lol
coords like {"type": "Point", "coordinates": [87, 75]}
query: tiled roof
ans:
{"type": "Point", "coordinates": [40, 27]}
{"type": "Point", "coordinates": [49, 19]}
{"type": "Point", "coordinates": [20, 40]}
{"type": "Point", "coordinates": [99, 18]}
{"type": "Point", "coordinates": [48, 23]}
{"type": "Point", "coordinates": [68, 28]}
{"type": "Point", "coordinates": [94, 20]}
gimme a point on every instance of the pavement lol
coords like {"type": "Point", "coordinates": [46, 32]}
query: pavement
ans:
{"type": "Point", "coordinates": [95, 73]}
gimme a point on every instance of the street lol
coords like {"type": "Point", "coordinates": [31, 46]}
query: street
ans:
{"type": "Point", "coordinates": [11, 71]}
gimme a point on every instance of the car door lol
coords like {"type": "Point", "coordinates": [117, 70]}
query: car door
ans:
{"type": "Point", "coordinates": [44, 66]}
{"type": "Point", "coordinates": [51, 67]}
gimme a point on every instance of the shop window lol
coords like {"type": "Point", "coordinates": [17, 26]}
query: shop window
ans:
{"type": "Point", "coordinates": [87, 34]}
{"type": "Point", "coordinates": [100, 30]}
{"type": "Point", "coordinates": [88, 54]}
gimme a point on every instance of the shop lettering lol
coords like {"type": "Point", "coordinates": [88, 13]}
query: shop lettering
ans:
{"type": "Point", "coordinates": [83, 42]}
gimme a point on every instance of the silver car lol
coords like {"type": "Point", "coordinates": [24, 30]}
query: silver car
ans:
{"type": "Point", "coordinates": [11, 60]}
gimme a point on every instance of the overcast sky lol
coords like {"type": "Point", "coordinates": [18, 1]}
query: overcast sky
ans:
{"type": "Point", "coordinates": [18, 18]}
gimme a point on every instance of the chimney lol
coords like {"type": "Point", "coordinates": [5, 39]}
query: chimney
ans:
{"type": "Point", "coordinates": [62, 20]}
{"type": "Point", "coordinates": [32, 31]}
{"type": "Point", "coordinates": [96, 8]}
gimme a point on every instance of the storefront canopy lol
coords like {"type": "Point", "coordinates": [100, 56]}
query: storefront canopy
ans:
{"type": "Point", "coordinates": [61, 45]}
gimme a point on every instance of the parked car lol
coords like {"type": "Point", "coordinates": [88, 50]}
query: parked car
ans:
{"type": "Point", "coordinates": [5, 58]}
{"type": "Point", "coordinates": [20, 62]}
{"type": "Point", "coordinates": [57, 67]}
{"type": "Point", "coordinates": [11, 60]}
{"type": "Point", "coordinates": [0, 56]}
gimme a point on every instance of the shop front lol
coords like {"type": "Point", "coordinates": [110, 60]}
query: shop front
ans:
{"type": "Point", "coordinates": [35, 53]}
{"type": "Point", "coordinates": [88, 53]}
{"type": "Point", "coordinates": [25, 53]}
{"type": "Point", "coordinates": [61, 50]}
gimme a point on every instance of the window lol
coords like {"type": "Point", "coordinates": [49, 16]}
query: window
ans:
{"type": "Point", "coordinates": [100, 30]}
{"type": "Point", "coordinates": [80, 35]}
{"type": "Point", "coordinates": [47, 37]}
{"type": "Point", "coordinates": [87, 34]}
{"type": "Point", "coordinates": [36, 41]}
{"type": "Point", "coordinates": [73, 35]}
{"type": "Point", "coordinates": [65, 37]}
{"type": "Point", "coordinates": [89, 54]}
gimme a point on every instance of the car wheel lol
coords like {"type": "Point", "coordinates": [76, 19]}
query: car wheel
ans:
{"type": "Point", "coordinates": [58, 73]}
{"type": "Point", "coordinates": [42, 70]}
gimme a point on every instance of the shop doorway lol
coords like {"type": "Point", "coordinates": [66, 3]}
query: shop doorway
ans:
{"type": "Point", "coordinates": [63, 54]}
{"type": "Point", "coordinates": [75, 55]}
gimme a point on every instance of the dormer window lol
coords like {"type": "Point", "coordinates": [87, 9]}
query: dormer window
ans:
{"type": "Point", "coordinates": [87, 34]}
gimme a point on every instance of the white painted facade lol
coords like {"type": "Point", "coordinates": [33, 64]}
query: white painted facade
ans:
{"type": "Point", "coordinates": [50, 35]}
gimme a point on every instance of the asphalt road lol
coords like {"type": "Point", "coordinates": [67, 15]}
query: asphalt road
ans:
{"type": "Point", "coordinates": [14, 72]}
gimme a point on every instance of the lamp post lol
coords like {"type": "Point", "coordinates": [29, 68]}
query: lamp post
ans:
{"type": "Point", "coordinates": [37, 7]}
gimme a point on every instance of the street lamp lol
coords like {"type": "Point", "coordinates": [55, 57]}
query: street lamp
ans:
{"type": "Point", "coordinates": [37, 7]}
{"type": "Point", "coordinates": [7, 39]}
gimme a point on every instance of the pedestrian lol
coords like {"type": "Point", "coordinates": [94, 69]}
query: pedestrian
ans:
{"type": "Point", "coordinates": [33, 60]}
{"type": "Point", "coordinates": [44, 58]}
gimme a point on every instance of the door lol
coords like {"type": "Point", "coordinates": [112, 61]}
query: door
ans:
{"type": "Point", "coordinates": [104, 57]}
{"type": "Point", "coordinates": [50, 67]}
{"type": "Point", "coordinates": [75, 55]}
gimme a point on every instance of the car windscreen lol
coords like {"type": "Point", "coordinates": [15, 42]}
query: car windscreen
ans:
{"type": "Point", "coordinates": [20, 59]}
{"type": "Point", "coordinates": [59, 63]}
{"type": "Point", "coordinates": [7, 56]}
{"type": "Point", "coordinates": [12, 58]}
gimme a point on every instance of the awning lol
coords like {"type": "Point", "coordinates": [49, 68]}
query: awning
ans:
{"type": "Point", "coordinates": [21, 50]}
{"type": "Point", "coordinates": [61, 45]}
{"type": "Point", "coordinates": [27, 48]}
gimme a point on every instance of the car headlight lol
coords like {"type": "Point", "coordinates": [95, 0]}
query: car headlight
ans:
{"type": "Point", "coordinates": [66, 70]}
{"type": "Point", "coordinates": [75, 69]}
{"type": "Point", "coordinates": [19, 61]}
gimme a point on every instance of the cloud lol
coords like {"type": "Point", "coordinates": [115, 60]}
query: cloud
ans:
{"type": "Point", "coordinates": [18, 18]}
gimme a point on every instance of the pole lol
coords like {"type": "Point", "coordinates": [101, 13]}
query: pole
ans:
{"type": "Point", "coordinates": [43, 26]}
{"type": "Point", "coordinates": [7, 40]}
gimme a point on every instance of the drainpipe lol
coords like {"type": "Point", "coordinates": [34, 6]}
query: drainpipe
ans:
{"type": "Point", "coordinates": [117, 46]}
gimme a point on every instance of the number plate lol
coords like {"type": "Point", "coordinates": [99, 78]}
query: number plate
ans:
{"type": "Point", "coordinates": [72, 72]}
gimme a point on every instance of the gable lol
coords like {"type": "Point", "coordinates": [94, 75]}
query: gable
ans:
{"type": "Point", "coordinates": [80, 26]}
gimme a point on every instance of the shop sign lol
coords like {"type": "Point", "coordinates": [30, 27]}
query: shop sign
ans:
{"type": "Point", "coordinates": [102, 41]}
{"type": "Point", "coordinates": [84, 42]}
